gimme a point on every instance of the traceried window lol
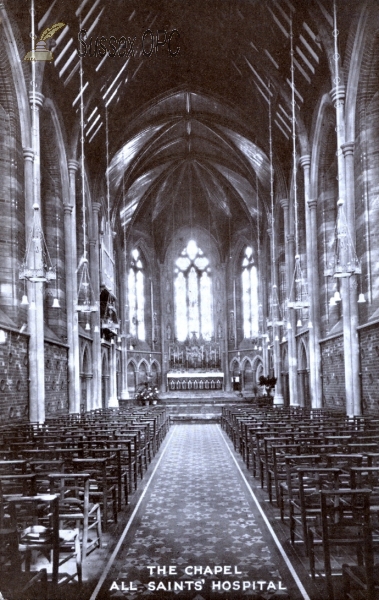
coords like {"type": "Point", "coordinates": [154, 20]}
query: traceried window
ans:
{"type": "Point", "coordinates": [249, 294]}
{"type": "Point", "coordinates": [193, 294]}
{"type": "Point", "coordinates": [136, 288]}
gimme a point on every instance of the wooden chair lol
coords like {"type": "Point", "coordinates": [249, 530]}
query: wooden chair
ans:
{"type": "Point", "coordinates": [345, 525]}
{"type": "Point", "coordinates": [37, 521]}
{"type": "Point", "coordinates": [102, 489]}
{"type": "Point", "coordinates": [306, 507]}
{"type": "Point", "coordinates": [75, 509]}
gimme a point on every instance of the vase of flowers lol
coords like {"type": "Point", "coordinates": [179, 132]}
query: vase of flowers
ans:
{"type": "Point", "coordinates": [147, 394]}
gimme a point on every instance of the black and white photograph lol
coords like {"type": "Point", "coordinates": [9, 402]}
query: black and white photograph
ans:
{"type": "Point", "coordinates": [189, 299]}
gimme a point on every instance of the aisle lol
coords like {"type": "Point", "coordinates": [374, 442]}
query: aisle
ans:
{"type": "Point", "coordinates": [197, 532]}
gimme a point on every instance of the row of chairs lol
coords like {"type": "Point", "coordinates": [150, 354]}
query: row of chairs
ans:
{"type": "Point", "coordinates": [322, 471]}
{"type": "Point", "coordinates": [61, 484]}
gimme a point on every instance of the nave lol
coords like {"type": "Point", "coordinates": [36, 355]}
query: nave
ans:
{"type": "Point", "coordinates": [202, 529]}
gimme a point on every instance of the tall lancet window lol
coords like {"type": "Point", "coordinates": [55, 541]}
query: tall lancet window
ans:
{"type": "Point", "coordinates": [136, 288]}
{"type": "Point", "coordinates": [249, 294]}
{"type": "Point", "coordinates": [193, 294]}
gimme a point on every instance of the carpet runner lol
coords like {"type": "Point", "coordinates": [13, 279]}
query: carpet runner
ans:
{"type": "Point", "coordinates": [198, 534]}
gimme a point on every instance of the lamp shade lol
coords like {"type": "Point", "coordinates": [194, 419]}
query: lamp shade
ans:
{"type": "Point", "coordinates": [361, 298]}
{"type": "Point", "coordinates": [299, 323]}
{"type": "Point", "coordinates": [310, 324]}
{"type": "Point", "coordinates": [332, 301]}
{"type": "Point", "coordinates": [3, 336]}
{"type": "Point", "coordinates": [87, 327]}
{"type": "Point", "coordinates": [56, 303]}
{"type": "Point", "coordinates": [24, 300]}
{"type": "Point", "coordinates": [337, 296]}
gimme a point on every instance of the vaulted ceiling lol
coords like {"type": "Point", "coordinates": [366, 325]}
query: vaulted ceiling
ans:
{"type": "Point", "coordinates": [188, 134]}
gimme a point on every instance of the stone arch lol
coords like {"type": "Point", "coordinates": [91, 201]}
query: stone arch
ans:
{"type": "Point", "coordinates": [86, 375]}
{"type": "Point", "coordinates": [284, 375]}
{"type": "Point", "coordinates": [235, 374]}
{"type": "Point", "coordinates": [143, 371]}
{"type": "Point", "coordinates": [155, 371]}
{"type": "Point", "coordinates": [105, 375]}
{"type": "Point", "coordinates": [258, 371]}
{"type": "Point", "coordinates": [247, 374]}
{"type": "Point", "coordinates": [303, 374]}
{"type": "Point", "coordinates": [131, 371]}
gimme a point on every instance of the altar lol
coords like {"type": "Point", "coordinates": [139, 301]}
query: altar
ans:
{"type": "Point", "coordinates": [193, 381]}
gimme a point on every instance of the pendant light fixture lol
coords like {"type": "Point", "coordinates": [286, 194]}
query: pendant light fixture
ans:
{"type": "Point", "coordinates": [344, 261]}
{"type": "Point", "coordinates": [298, 289]}
{"type": "Point", "coordinates": [86, 302]}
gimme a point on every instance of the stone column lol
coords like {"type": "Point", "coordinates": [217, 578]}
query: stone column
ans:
{"type": "Point", "coordinates": [290, 333]}
{"type": "Point", "coordinates": [94, 265]}
{"type": "Point", "coordinates": [315, 306]}
{"type": "Point", "coordinates": [74, 393]}
{"type": "Point", "coordinates": [338, 97]}
{"type": "Point", "coordinates": [36, 342]}
{"type": "Point", "coordinates": [312, 269]}
{"type": "Point", "coordinates": [36, 289]}
{"type": "Point", "coordinates": [348, 152]}
{"type": "Point", "coordinates": [278, 395]}
{"type": "Point", "coordinates": [124, 318]}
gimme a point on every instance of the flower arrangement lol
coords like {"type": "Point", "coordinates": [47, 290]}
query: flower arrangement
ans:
{"type": "Point", "coordinates": [147, 393]}
{"type": "Point", "coordinates": [268, 383]}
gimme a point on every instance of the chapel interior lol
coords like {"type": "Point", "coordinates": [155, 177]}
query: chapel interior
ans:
{"type": "Point", "coordinates": [189, 257]}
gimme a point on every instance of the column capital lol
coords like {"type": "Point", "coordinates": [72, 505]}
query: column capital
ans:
{"type": "Point", "coordinates": [338, 93]}
{"type": "Point", "coordinates": [96, 206]}
{"type": "Point", "coordinates": [73, 165]}
{"type": "Point", "coordinates": [37, 98]}
{"type": "Point", "coordinates": [348, 148]}
{"type": "Point", "coordinates": [305, 160]}
{"type": "Point", "coordinates": [284, 203]}
{"type": "Point", "coordinates": [92, 243]}
{"type": "Point", "coordinates": [312, 203]}
{"type": "Point", "coordinates": [290, 237]}
{"type": "Point", "coordinates": [67, 209]}
{"type": "Point", "coordinates": [28, 153]}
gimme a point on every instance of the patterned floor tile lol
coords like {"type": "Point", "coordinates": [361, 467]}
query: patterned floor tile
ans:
{"type": "Point", "coordinates": [198, 531]}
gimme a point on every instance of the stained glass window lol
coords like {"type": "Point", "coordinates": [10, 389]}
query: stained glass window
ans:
{"type": "Point", "coordinates": [136, 288]}
{"type": "Point", "coordinates": [249, 294]}
{"type": "Point", "coordinates": [193, 294]}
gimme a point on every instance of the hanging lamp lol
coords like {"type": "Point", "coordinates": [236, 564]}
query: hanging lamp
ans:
{"type": "Point", "coordinates": [85, 297]}
{"type": "Point", "coordinates": [298, 289]}
{"type": "Point", "coordinates": [344, 261]}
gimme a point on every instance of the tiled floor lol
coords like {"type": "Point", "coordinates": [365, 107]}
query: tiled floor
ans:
{"type": "Point", "coordinates": [198, 533]}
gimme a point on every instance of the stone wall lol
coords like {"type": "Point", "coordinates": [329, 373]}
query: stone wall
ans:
{"type": "Point", "coordinates": [56, 381]}
{"type": "Point", "coordinates": [14, 377]}
{"type": "Point", "coordinates": [333, 373]}
{"type": "Point", "coordinates": [369, 353]}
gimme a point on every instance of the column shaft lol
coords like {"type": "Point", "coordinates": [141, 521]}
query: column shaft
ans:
{"type": "Point", "coordinates": [338, 96]}
{"type": "Point", "coordinates": [94, 263]}
{"type": "Point", "coordinates": [290, 269]}
{"type": "Point", "coordinates": [311, 248]}
{"type": "Point", "coordinates": [71, 286]}
{"type": "Point", "coordinates": [348, 151]}
{"type": "Point", "coordinates": [36, 289]}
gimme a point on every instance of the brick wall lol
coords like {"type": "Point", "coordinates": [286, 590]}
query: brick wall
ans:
{"type": "Point", "coordinates": [369, 352]}
{"type": "Point", "coordinates": [333, 373]}
{"type": "Point", "coordinates": [56, 384]}
{"type": "Point", "coordinates": [14, 377]}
